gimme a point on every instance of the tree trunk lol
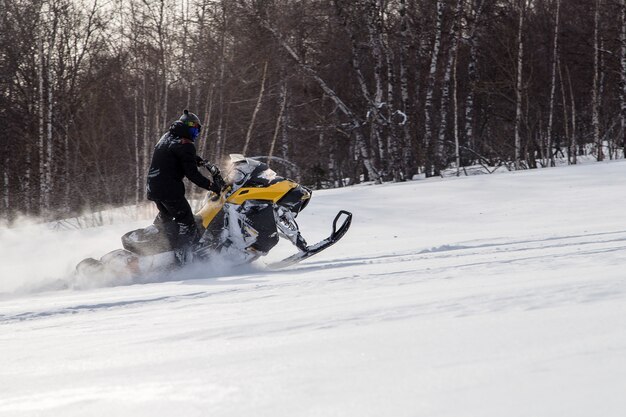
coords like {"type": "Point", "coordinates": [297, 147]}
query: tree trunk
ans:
{"type": "Point", "coordinates": [440, 160]}
{"type": "Point", "coordinates": [375, 44]}
{"type": "Point", "coordinates": [421, 52]}
{"type": "Point", "coordinates": [279, 119]}
{"type": "Point", "coordinates": [67, 180]}
{"type": "Point", "coordinates": [563, 103]}
{"type": "Point", "coordinates": [208, 113]}
{"type": "Point", "coordinates": [5, 190]}
{"type": "Point", "coordinates": [573, 146]}
{"type": "Point", "coordinates": [49, 141]}
{"type": "Point", "coordinates": [188, 69]}
{"type": "Point", "coordinates": [394, 140]}
{"type": "Point", "coordinates": [472, 74]}
{"type": "Point", "coordinates": [555, 44]}
{"type": "Point", "coordinates": [601, 85]}
{"type": "Point", "coordinates": [138, 176]}
{"type": "Point", "coordinates": [284, 132]}
{"type": "Point", "coordinates": [202, 150]}
{"type": "Point", "coordinates": [455, 113]}
{"type": "Point", "coordinates": [407, 153]}
{"type": "Point", "coordinates": [256, 110]}
{"type": "Point", "coordinates": [27, 188]}
{"type": "Point", "coordinates": [430, 90]}
{"type": "Point", "coordinates": [622, 91]}
{"type": "Point", "coordinates": [41, 145]}
{"type": "Point", "coordinates": [163, 122]}
{"type": "Point", "coordinates": [219, 143]}
{"type": "Point", "coordinates": [518, 87]}
{"type": "Point", "coordinates": [163, 38]}
{"type": "Point", "coordinates": [146, 126]}
{"type": "Point", "coordinates": [595, 99]}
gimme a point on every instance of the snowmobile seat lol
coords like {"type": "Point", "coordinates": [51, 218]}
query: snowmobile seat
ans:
{"type": "Point", "coordinates": [149, 240]}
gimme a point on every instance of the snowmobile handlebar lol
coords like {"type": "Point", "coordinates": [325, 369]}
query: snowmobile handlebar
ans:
{"type": "Point", "coordinates": [218, 183]}
{"type": "Point", "coordinates": [212, 168]}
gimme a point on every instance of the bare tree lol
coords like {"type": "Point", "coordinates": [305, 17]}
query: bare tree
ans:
{"type": "Point", "coordinates": [356, 124]}
{"type": "Point", "coordinates": [555, 44]}
{"type": "Point", "coordinates": [256, 109]}
{"type": "Point", "coordinates": [445, 90]}
{"type": "Point", "coordinates": [430, 89]}
{"type": "Point", "coordinates": [622, 91]}
{"type": "Point", "coordinates": [406, 108]}
{"type": "Point", "coordinates": [476, 12]}
{"type": "Point", "coordinates": [376, 91]}
{"type": "Point", "coordinates": [595, 92]}
{"type": "Point", "coordinates": [518, 85]}
{"type": "Point", "coordinates": [573, 141]}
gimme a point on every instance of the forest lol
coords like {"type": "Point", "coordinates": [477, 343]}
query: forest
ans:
{"type": "Point", "coordinates": [330, 92]}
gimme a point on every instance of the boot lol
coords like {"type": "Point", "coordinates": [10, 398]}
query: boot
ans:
{"type": "Point", "coordinates": [184, 255]}
{"type": "Point", "coordinates": [186, 238]}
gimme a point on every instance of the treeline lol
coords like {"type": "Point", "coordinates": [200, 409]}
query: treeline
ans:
{"type": "Point", "coordinates": [334, 91]}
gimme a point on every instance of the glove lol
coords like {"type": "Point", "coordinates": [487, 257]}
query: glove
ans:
{"type": "Point", "coordinates": [199, 161]}
{"type": "Point", "coordinates": [218, 184]}
{"type": "Point", "coordinates": [215, 187]}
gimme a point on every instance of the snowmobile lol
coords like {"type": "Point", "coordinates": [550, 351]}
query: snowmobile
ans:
{"type": "Point", "coordinates": [242, 223]}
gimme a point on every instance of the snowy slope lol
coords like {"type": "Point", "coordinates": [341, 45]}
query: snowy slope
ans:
{"type": "Point", "coordinates": [495, 295]}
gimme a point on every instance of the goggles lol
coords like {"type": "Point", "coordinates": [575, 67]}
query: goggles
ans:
{"type": "Point", "coordinates": [194, 125]}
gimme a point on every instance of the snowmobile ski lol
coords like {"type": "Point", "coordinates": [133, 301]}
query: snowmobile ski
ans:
{"type": "Point", "coordinates": [319, 246]}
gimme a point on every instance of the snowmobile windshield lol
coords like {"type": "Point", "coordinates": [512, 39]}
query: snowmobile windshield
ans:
{"type": "Point", "coordinates": [240, 172]}
{"type": "Point", "coordinates": [252, 173]}
{"type": "Point", "coordinates": [262, 176]}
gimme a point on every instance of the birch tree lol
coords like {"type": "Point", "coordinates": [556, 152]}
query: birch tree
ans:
{"type": "Point", "coordinates": [455, 112]}
{"type": "Point", "coordinates": [564, 106]}
{"type": "Point", "coordinates": [5, 191]}
{"type": "Point", "coordinates": [45, 44]}
{"type": "Point", "coordinates": [372, 19]}
{"type": "Point", "coordinates": [256, 109]}
{"type": "Point", "coordinates": [573, 144]}
{"type": "Point", "coordinates": [518, 85]}
{"type": "Point", "coordinates": [280, 118]}
{"type": "Point", "coordinates": [476, 12]}
{"type": "Point", "coordinates": [622, 90]}
{"type": "Point", "coordinates": [445, 91]}
{"type": "Point", "coordinates": [406, 108]}
{"type": "Point", "coordinates": [595, 92]}
{"type": "Point", "coordinates": [430, 90]}
{"type": "Point", "coordinates": [222, 57]}
{"type": "Point", "coordinates": [555, 44]}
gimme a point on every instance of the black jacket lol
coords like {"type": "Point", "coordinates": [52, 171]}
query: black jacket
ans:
{"type": "Point", "coordinates": [173, 159]}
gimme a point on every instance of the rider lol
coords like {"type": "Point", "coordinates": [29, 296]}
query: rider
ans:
{"type": "Point", "coordinates": [173, 159]}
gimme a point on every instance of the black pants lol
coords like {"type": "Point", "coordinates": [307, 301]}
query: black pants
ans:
{"type": "Point", "coordinates": [176, 219]}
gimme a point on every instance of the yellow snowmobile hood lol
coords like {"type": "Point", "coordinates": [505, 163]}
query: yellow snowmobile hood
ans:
{"type": "Point", "coordinates": [272, 193]}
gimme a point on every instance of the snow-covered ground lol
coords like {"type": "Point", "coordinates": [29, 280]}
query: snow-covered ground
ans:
{"type": "Point", "coordinates": [494, 295]}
